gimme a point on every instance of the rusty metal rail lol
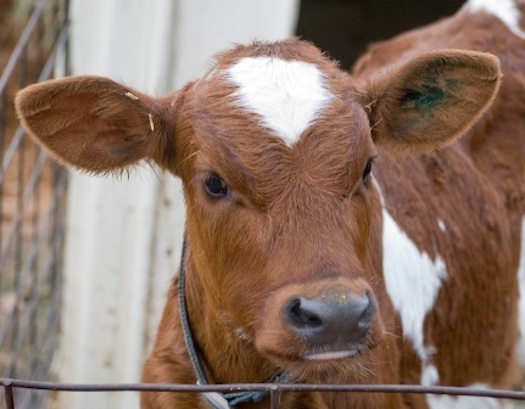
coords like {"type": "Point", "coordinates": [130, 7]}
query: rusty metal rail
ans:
{"type": "Point", "coordinates": [10, 386]}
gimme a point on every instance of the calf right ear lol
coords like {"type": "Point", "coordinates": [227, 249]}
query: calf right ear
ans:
{"type": "Point", "coordinates": [96, 124]}
{"type": "Point", "coordinates": [432, 99]}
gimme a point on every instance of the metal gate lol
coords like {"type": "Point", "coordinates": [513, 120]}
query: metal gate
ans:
{"type": "Point", "coordinates": [33, 45]}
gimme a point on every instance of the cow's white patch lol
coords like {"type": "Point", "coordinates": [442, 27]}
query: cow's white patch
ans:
{"type": "Point", "coordinates": [429, 375]}
{"type": "Point", "coordinates": [505, 10]}
{"type": "Point", "coordinates": [521, 306]}
{"type": "Point", "coordinates": [442, 226]}
{"type": "Point", "coordinates": [463, 402]}
{"type": "Point", "coordinates": [286, 95]}
{"type": "Point", "coordinates": [412, 280]}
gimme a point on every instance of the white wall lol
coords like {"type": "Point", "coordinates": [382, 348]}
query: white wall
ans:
{"type": "Point", "coordinates": [124, 234]}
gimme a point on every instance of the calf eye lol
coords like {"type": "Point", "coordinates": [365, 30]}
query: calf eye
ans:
{"type": "Point", "coordinates": [215, 186]}
{"type": "Point", "coordinates": [368, 169]}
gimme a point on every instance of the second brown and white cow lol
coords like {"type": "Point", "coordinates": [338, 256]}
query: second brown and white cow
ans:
{"type": "Point", "coordinates": [303, 262]}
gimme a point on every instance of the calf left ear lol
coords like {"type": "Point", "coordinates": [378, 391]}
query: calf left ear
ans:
{"type": "Point", "coordinates": [95, 124]}
{"type": "Point", "coordinates": [432, 100]}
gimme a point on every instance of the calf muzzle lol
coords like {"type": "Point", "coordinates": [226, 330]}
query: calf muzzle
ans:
{"type": "Point", "coordinates": [334, 324]}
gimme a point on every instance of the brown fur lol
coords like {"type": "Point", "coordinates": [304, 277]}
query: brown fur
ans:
{"type": "Point", "coordinates": [303, 220]}
{"type": "Point", "coordinates": [477, 189]}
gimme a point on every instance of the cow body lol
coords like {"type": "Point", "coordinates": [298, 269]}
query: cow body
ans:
{"type": "Point", "coordinates": [458, 213]}
{"type": "Point", "coordinates": [301, 258]}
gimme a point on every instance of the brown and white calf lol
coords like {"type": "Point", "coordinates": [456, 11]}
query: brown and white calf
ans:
{"type": "Point", "coordinates": [300, 258]}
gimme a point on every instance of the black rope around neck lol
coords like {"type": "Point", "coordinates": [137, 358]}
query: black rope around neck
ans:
{"type": "Point", "coordinates": [215, 400]}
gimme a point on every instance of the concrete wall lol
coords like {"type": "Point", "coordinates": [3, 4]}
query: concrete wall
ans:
{"type": "Point", "coordinates": [124, 233]}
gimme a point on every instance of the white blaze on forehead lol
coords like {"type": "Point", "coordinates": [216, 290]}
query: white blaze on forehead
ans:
{"type": "Point", "coordinates": [286, 95]}
{"type": "Point", "coordinates": [505, 10]}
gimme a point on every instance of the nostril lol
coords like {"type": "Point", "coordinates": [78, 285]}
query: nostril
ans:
{"type": "Point", "coordinates": [368, 314]}
{"type": "Point", "coordinates": [301, 314]}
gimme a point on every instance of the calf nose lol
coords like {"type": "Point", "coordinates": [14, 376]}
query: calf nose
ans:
{"type": "Point", "coordinates": [331, 320]}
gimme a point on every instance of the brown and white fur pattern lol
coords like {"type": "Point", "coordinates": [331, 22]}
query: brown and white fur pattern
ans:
{"type": "Point", "coordinates": [300, 258]}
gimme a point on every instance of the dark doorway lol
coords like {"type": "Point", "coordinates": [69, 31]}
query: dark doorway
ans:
{"type": "Point", "coordinates": [344, 28]}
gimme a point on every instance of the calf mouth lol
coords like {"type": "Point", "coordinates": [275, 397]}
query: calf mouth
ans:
{"type": "Point", "coordinates": [340, 363]}
{"type": "Point", "coordinates": [329, 366]}
{"type": "Point", "coordinates": [331, 354]}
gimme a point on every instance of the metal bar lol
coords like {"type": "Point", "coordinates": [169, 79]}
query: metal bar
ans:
{"type": "Point", "coordinates": [22, 204]}
{"type": "Point", "coordinates": [57, 236]}
{"type": "Point", "coordinates": [11, 151]}
{"type": "Point", "coordinates": [60, 44]}
{"type": "Point", "coordinates": [30, 258]}
{"type": "Point", "coordinates": [288, 387]}
{"type": "Point", "coordinates": [40, 369]}
{"type": "Point", "coordinates": [24, 273]}
{"type": "Point", "coordinates": [46, 350]}
{"type": "Point", "coordinates": [275, 398]}
{"type": "Point", "coordinates": [44, 75]}
{"type": "Point", "coordinates": [22, 42]}
{"type": "Point", "coordinates": [9, 398]}
{"type": "Point", "coordinates": [24, 320]}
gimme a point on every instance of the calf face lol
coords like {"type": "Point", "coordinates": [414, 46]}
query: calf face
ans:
{"type": "Point", "coordinates": [275, 147]}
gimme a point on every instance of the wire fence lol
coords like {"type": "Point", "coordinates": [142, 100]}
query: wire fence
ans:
{"type": "Point", "coordinates": [275, 389]}
{"type": "Point", "coordinates": [33, 44]}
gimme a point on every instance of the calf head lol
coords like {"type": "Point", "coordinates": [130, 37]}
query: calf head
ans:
{"type": "Point", "coordinates": [275, 147]}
